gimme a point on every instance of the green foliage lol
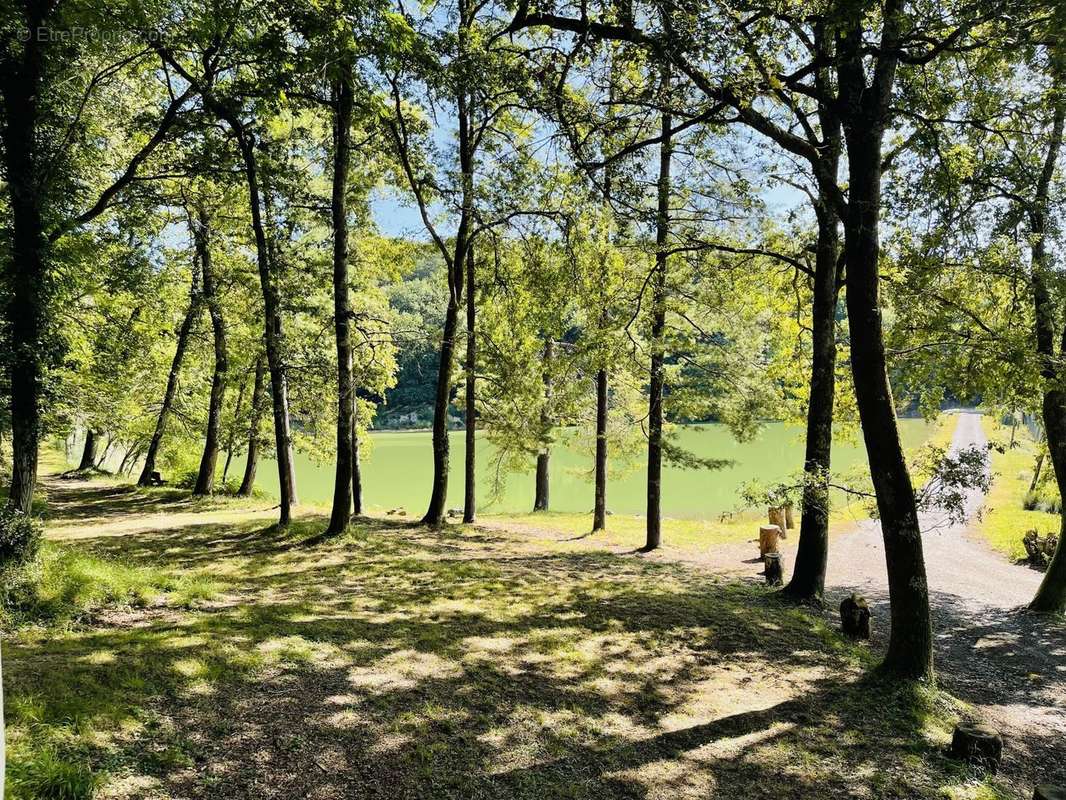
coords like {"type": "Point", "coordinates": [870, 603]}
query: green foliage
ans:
{"type": "Point", "coordinates": [20, 537]}
{"type": "Point", "coordinates": [47, 775]}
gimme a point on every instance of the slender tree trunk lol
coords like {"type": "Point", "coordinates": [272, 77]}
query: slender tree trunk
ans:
{"type": "Point", "coordinates": [256, 409]}
{"type": "Point", "coordinates": [658, 326]}
{"type": "Point", "coordinates": [25, 275]}
{"type": "Point", "coordinates": [435, 513]}
{"type": "Point", "coordinates": [470, 487]}
{"type": "Point", "coordinates": [343, 485]}
{"type": "Point", "coordinates": [541, 486]}
{"type": "Point", "coordinates": [231, 440]}
{"type": "Point", "coordinates": [599, 511]}
{"type": "Point", "coordinates": [102, 458]}
{"type": "Point", "coordinates": [808, 577]}
{"type": "Point", "coordinates": [191, 313]}
{"type": "Point", "coordinates": [910, 647]}
{"type": "Point", "coordinates": [274, 335]}
{"type": "Point", "coordinates": [205, 480]}
{"type": "Point", "coordinates": [88, 453]}
{"type": "Point", "coordinates": [1051, 596]}
{"type": "Point", "coordinates": [357, 472]}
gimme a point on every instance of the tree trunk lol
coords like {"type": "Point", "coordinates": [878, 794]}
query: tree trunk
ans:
{"type": "Point", "coordinates": [231, 440]}
{"type": "Point", "coordinates": [540, 497]}
{"type": "Point", "coordinates": [26, 270]}
{"type": "Point", "coordinates": [182, 343]}
{"type": "Point", "coordinates": [599, 511]}
{"type": "Point", "coordinates": [205, 480]}
{"type": "Point", "coordinates": [808, 574]}
{"type": "Point", "coordinates": [910, 646]}
{"type": "Point", "coordinates": [343, 485]}
{"type": "Point", "coordinates": [88, 453]}
{"type": "Point", "coordinates": [274, 335]}
{"type": "Point", "coordinates": [256, 409]}
{"type": "Point", "coordinates": [438, 498]}
{"type": "Point", "coordinates": [658, 325]}
{"type": "Point", "coordinates": [1051, 596]}
{"type": "Point", "coordinates": [470, 484]}
{"type": "Point", "coordinates": [357, 472]}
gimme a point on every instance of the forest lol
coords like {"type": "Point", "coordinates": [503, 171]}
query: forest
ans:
{"type": "Point", "coordinates": [533, 398]}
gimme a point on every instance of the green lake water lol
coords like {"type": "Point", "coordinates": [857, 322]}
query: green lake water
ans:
{"type": "Point", "coordinates": [398, 470]}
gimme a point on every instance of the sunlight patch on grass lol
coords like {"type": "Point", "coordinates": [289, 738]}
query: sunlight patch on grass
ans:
{"type": "Point", "coordinates": [1004, 521]}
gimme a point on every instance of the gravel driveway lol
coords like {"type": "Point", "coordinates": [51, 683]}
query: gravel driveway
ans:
{"type": "Point", "coordinates": [990, 651]}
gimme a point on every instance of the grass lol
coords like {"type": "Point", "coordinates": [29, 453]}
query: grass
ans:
{"type": "Point", "coordinates": [1004, 520]}
{"type": "Point", "coordinates": [395, 662]}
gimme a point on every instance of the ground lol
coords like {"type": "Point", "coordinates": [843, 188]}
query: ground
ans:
{"type": "Point", "coordinates": [192, 650]}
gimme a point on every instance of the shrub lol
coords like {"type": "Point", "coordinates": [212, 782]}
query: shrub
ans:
{"type": "Point", "coordinates": [49, 776]}
{"type": "Point", "coordinates": [20, 537]}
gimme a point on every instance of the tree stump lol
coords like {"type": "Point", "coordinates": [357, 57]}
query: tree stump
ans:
{"type": "Point", "coordinates": [773, 569]}
{"type": "Point", "coordinates": [855, 617]}
{"type": "Point", "coordinates": [1048, 792]}
{"type": "Point", "coordinates": [790, 521]}
{"type": "Point", "coordinates": [777, 517]}
{"type": "Point", "coordinates": [977, 744]}
{"type": "Point", "coordinates": [768, 536]}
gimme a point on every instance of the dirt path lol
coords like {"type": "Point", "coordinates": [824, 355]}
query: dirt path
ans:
{"type": "Point", "coordinates": [990, 652]}
{"type": "Point", "coordinates": [1010, 664]}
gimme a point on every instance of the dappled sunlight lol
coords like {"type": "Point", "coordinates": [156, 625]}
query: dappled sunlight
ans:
{"type": "Point", "coordinates": [463, 662]}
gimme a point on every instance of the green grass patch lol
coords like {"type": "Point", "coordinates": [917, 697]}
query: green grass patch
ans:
{"type": "Point", "coordinates": [1004, 519]}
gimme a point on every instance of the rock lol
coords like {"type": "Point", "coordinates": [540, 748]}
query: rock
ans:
{"type": "Point", "coordinates": [768, 536]}
{"type": "Point", "coordinates": [977, 744]}
{"type": "Point", "coordinates": [855, 617]}
{"type": "Point", "coordinates": [455, 512]}
{"type": "Point", "coordinates": [774, 569]}
{"type": "Point", "coordinates": [1048, 792]}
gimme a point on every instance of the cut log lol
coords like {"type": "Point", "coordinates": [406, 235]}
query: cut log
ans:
{"type": "Point", "coordinates": [777, 517]}
{"type": "Point", "coordinates": [855, 617]}
{"type": "Point", "coordinates": [774, 569]}
{"type": "Point", "coordinates": [768, 536]}
{"type": "Point", "coordinates": [1048, 792]}
{"type": "Point", "coordinates": [977, 744]}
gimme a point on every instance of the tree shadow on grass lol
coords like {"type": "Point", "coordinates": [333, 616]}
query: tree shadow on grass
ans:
{"type": "Point", "coordinates": [397, 662]}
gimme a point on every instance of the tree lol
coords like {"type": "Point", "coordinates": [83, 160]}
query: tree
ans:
{"type": "Point", "coordinates": [42, 104]}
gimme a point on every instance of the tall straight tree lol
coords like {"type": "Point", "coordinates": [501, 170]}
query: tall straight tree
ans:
{"type": "Point", "coordinates": [344, 486]}
{"type": "Point", "coordinates": [658, 327]}
{"type": "Point", "coordinates": [200, 225]}
{"type": "Point", "coordinates": [228, 108]}
{"type": "Point", "coordinates": [36, 65]}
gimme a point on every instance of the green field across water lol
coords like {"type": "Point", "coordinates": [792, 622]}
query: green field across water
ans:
{"type": "Point", "coordinates": [398, 471]}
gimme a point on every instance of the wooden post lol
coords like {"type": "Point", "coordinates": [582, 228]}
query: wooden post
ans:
{"type": "Point", "coordinates": [977, 744]}
{"type": "Point", "coordinates": [776, 516]}
{"type": "Point", "coordinates": [790, 521]}
{"type": "Point", "coordinates": [774, 569]}
{"type": "Point", "coordinates": [855, 617]}
{"type": "Point", "coordinates": [768, 536]}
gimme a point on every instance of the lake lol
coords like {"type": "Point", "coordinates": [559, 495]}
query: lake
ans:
{"type": "Point", "coordinates": [398, 470]}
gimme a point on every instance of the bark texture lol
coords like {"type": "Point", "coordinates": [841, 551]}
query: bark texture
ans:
{"type": "Point", "coordinates": [255, 419]}
{"type": "Point", "coordinates": [205, 479]}
{"type": "Point", "coordinates": [658, 325]}
{"type": "Point", "coordinates": [343, 484]}
{"type": "Point", "coordinates": [599, 510]}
